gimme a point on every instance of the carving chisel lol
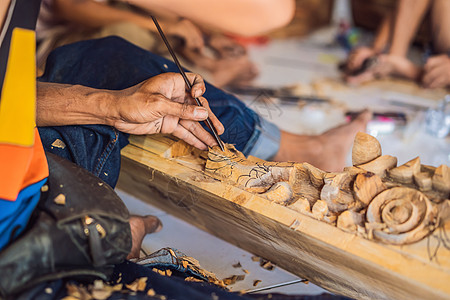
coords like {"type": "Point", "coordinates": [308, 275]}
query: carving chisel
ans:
{"type": "Point", "coordinates": [188, 84]}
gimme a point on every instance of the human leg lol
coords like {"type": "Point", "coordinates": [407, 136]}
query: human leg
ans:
{"type": "Point", "coordinates": [440, 25]}
{"type": "Point", "coordinates": [140, 227]}
{"type": "Point", "coordinates": [436, 72]}
{"type": "Point", "coordinates": [327, 151]}
{"type": "Point", "coordinates": [247, 18]}
{"type": "Point", "coordinates": [408, 16]}
{"type": "Point", "coordinates": [403, 27]}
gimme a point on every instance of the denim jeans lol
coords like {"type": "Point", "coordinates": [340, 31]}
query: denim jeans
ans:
{"type": "Point", "coordinates": [113, 63]}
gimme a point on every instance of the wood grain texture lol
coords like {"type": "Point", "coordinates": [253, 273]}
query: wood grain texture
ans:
{"type": "Point", "coordinates": [341, 262]}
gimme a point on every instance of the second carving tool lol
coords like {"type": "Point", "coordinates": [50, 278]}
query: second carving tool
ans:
{"type": "Point", "coordinates": [188, 83]}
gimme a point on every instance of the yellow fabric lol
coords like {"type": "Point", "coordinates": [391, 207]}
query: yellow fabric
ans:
{"type": "Point", "coordinates": [18, 99]}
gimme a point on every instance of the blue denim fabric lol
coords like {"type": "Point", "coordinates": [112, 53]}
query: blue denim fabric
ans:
{"type": "Point", "coordinates": [113, 63]}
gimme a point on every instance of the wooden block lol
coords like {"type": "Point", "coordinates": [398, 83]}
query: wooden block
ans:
{"type": "Point", "coordinates": [380, 165]}
{"type": "Point", "coordinates": [406, 172]}
{"type": "Point", "coordinates": [344, 263]}
{"type": "Point", "coordinates": [365, 149]}
{"type": "Point", "coordinates": [441, 179]}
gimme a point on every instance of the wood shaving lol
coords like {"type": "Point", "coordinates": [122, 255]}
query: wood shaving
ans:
{"type": "Point", "coordinates": [193, 279]}
{"type": "Point", "coordinates": [256, 258]}
{"type": "Point", "coordinates": [256, 282]}
{"type": "Point", "coordinates": [161, 272]}
{"type": "Point", "coordinates": [44, 188]}
{"type": "Point", "coordinates": [233, 279]}
{"type": "Point", "coordinates": [266, 265]}
{"type": "Point", "coordinates": [60, 199]}
{"type": "Point", "coordinates": [237, 265]}
{"type": "Point", "coordinates": [77, 292]}
{"type": "Point", "coordinates": [151, 292]}
{"type": "Point", "coordinates": [245, 271]}
{"type": "Point", "coordinates": [138, 285]}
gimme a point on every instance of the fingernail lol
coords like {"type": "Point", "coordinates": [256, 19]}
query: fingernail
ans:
{"type": "Point", "coordinates": [200, 113]}
{"type": "Point", "coordinates": [198, 93]}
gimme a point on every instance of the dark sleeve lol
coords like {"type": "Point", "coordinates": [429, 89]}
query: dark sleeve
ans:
{"type": "Point", "coordinates": [23, 14]}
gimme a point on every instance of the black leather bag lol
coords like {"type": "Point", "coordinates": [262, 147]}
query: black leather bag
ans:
{"type": "Point", "coordinates": [81, 234]}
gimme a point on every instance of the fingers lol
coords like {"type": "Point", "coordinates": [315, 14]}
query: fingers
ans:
{"type": "Point", "coordinates": [431, 74]}
{"type": "Point", "coordinates": [198, 85]}
{"type": "Point", "coordinates": [435, 61]}
{"type": "Point", "coordinates": [189, 131]}
{"type": "Point", "coordinates": [199, 132]}
{"type": "Point", "coordinates": [188, 137]}
{"type": "Point", "coordinates": [437, 72]}
{"type": "Point", "coordinates": [165, 107]}
{"type": "Point", "coordinates": [214, 120]}
{"type": "Point", "coordinates": [198, 89]}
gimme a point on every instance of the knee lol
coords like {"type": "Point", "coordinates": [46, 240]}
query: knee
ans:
{"type": "Point", "coordinates": [282, 14]}
{"type": "Point", "coordinates": [269, 15]}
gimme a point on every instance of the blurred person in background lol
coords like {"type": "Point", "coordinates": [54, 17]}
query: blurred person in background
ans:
{"type": "Point", "coordinates": [393, 39]}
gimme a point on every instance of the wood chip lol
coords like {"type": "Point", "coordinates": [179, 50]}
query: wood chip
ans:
{"type": "Point", "coordinates": [193, 279]}
{"type": "Point", "coordinates": [44, 188]}
{"type": "Point", "coordinates": [137, 285]}
{"type": "Point", "coordinates": [256, 282]}
{"type": "Point", "coordinates": [60, 199]}
{"type": "Point", "coordinates": [151, 292]}
{"type": "Point", "coordinates": [233, 279]}
{"type": "Point", "coordinates": [48, 290]}
{"type": "Point", "coordinates": [245, 271]}
{"type": "Point", "coordinates": [256, 258]}
{"type": "Point", "coordinates": [266, 265]}
{"type": "Point", "coordinates": [59, 144]}
{"type": "Point", "coordinates": [238, 265]}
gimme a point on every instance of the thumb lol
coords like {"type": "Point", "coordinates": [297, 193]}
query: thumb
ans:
{"type": "Point", "coordinates": [183, 110]}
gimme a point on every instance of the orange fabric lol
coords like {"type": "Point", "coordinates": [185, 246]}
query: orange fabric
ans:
{"type": "Point", "coordinates": [21, 166]}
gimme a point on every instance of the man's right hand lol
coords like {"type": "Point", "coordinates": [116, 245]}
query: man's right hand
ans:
{"type": "Point", "coordinates": [161, 104]}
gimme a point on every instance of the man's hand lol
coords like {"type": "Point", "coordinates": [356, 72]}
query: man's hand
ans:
{"type": "Point", "coordinates": [161, 104]}
{"type": "Point", "coordinates": [437, 72]}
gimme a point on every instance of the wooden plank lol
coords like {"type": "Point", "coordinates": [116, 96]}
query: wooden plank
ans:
{"type": "Point", "coordinates": [341, 262]}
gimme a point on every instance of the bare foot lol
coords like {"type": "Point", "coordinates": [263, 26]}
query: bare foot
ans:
{"type": "Point", "coordinates": [388, 65]}
{"type": "Point", "coordinates": [327, 151]}
{"type": "Point", "coordinates": [357, 57]}
{"type": "Point", "coordinates": [140, 227]}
